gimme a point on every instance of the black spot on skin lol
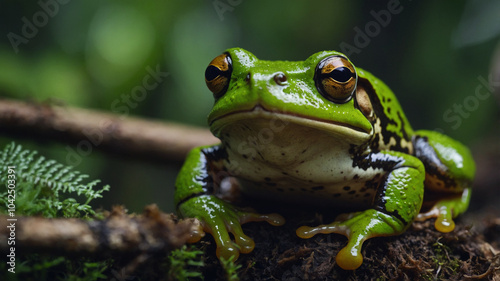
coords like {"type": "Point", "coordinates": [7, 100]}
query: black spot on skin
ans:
{"type": "Point", "coordinates": [282, 153]}
{"type": "Point", "coordinates": [375, 142]}
{"type": "Point", "coordinates": [304, 151]}
{"type": "Point", "coordinates": [336, 195]}
{"type": "Point", "coordinates": [371, 184]}
{"type": "Point", "coordinates": [367, 195]}
{"type": "Point", "coordinates": [302, 162]}
{"type": "Point", "coordinates": [340, 172]}
{"type": "Point", "coordinates": [291, 189]}
{"type": "Point", "coordinates": [267, 179]}
{"type": "Point", "coordinates": [297, 171]}
{"type": "Point", "coordinates": [347, 187]}
{"type": "Point", "coordinates": [352, 192]}
{"type": "Point", "coordinates": [244, 156]}
{"type": "Point", "coordinates": [318, 187]}
{"type": "Point", "coordinates": [280, 189]}
{"type": "Point", "coordinates": [355, 177]}
{"type": "Point", "coordinates": [285, 173]}
{"type": "Point", "coordinates": [405, 135]}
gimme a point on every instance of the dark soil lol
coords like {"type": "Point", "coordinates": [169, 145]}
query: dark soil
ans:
{"type": "Point", "coordinates": [472, 252]}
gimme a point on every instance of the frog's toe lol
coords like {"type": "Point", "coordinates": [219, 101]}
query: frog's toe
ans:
{"type": "Point", "coordinates": [227, 251]}
{"type": "Point", "coordinates": [307, 232]}
{"type": "Point", "coordinates": [227, 248]}
{"type": "Point", "coordinates": [272, 219]}
{"type": "Point", "coordinates": [444, 218]}
{"type": "Point", "coordinates": [245, 244]}
{"type": "Point", "coordinates": [197, 233]}
{"type": "Point", "coordinates": [349, 258]}
{"type": "Point", "coordinates": [341, 225]}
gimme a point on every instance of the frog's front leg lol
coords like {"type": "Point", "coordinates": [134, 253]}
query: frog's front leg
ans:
{"type": "Point", "coordinates": [449, 169]}
{"type": "Point", "coordinates": [194, 197]}
{"type": "Point", "coordinates": [397, 203]}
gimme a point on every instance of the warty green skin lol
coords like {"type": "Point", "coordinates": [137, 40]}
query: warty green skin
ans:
{"type": "Point", "coordinates": [285, 140]}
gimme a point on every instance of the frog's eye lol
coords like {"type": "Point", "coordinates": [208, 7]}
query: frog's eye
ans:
{"type": "Point", "coordinates": [218, 74]}
{"type": "Point", "coordinates": [336, 79]}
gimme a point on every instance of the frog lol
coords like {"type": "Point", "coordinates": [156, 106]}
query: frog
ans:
{"type": "Point", "coordinates": [317, 133]}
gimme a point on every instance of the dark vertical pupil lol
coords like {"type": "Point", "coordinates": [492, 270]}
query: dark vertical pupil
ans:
{"type": "Point", "coordinates": [212, 72]}
{"type": "Point", "coordinates": [341, 74]}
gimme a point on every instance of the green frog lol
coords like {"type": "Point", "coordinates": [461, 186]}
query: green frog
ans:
{"type": "Point", "coordinates": [319, 133]}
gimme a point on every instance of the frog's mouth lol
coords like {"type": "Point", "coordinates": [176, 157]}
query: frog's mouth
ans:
{"type": "Point", "coordinates": [279, 119]}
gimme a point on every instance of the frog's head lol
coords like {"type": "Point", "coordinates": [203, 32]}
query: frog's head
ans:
{"type": "Point", "coordinates": [321, 92]}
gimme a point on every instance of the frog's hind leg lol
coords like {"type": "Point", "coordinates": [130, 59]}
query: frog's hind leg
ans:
{"type": "Point", "coordinates": [449, 169]}
{"type": "Point", "coordinates": [445, 210]}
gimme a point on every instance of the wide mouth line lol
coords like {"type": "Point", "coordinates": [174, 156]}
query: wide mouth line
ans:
{"type": "Point", "coordinates": [261, 108]}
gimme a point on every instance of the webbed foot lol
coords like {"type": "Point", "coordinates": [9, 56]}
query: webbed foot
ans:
{"type": "Point", "coordinates": [357, 227]}
{"type": "Point", "coordinates": [220, 218]}
{"type": "Point", "coordinates": [446, 210]}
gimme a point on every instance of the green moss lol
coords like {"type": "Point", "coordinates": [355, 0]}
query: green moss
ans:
{"type": "Point", "coordinates": [231, 269]}
{"type": "Point", "coordinates": [443, 260]}
{"type": "Point", "coordinates": [185, 264]}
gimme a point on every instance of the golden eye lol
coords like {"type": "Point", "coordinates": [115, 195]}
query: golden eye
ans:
{"type": "Point", "coordinates": [336, 79]}
{"type": "Point", "coordinates": [218, 74]}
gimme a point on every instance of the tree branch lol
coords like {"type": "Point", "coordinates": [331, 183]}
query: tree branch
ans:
{"type": "Point", "coordinates": [151, 232]}
{"type": "Point", "coordinates": [89, 129]}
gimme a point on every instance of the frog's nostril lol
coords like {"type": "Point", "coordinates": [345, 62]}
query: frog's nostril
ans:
{"type": "Point", "coordinates": [280, 79]}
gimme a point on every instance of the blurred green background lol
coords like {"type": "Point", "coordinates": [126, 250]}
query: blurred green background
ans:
{"type": "Point", "coordinates": [92, 54]}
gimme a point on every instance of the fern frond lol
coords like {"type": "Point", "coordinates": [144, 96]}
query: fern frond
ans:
{"type": "Point", "coordinates": [44, 186]}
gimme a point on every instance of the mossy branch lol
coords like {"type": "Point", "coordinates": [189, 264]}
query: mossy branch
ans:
{"type": "Point", "coordinates": [151, 232]}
